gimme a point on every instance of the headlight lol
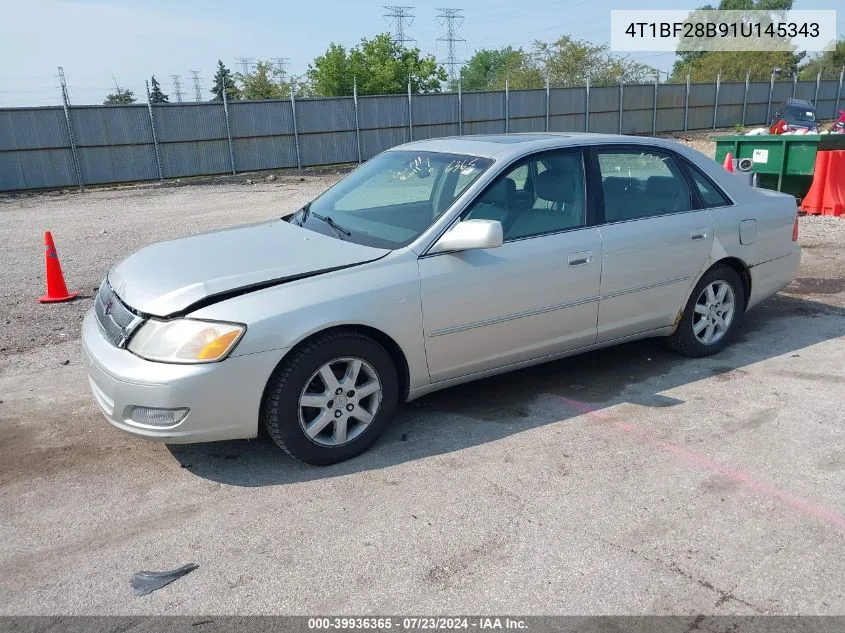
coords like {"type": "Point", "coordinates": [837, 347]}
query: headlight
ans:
{"type": "Point", "coordinates": [185, 340]}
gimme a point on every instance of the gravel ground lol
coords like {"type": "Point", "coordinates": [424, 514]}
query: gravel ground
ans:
{"type": "Point", "coordinates": [625, 481]}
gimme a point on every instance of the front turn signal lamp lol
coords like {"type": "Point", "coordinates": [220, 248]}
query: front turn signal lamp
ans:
{"type": "Point", "coordinates": [185, 340]}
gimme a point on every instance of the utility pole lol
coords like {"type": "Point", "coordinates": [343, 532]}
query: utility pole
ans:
{"type": "Point", "coordinates": [399, 17]}
{"type": "Point", "coordinates": [452, 18]}
{"type": "Point", "coordinates": [245, 63]}
{"type": "Point", "coordinates": [197, 89]}
{"type": "Point", "coordinates": [177, 87]}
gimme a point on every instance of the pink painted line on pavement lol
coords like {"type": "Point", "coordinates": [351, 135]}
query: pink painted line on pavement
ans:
{"type": "Point", "coordinates": [705, 463]}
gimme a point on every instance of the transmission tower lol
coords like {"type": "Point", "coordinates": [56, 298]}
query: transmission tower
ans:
{"type": "Point", "coordinates": [452, 18]}
{"type": "Point", "coordinates": [281, 63]}
{"type": "Point", "coordinates": [177, 87]}
{"type": "Point", "coordinates": [197, 89]}
{"type": "Point", "coordinates": [245, 63]}
{"type": "Point", "coordinates": [399, 18]}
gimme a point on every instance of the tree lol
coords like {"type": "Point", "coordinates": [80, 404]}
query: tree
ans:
{"type": "Point", "coordinates": [120, 97]}
{"type": "Point", "coordinates": [265, 82]}
{"type": "Point", "coordinates": [568, 61]}
{"type": "Point", "coordinates": [156, 95]}
{"type": "Point", "coordinates": [486, 68]}
{"type": "Point", "coordinates": [699, 64]}
{"type": "Point", "coordinates": [223, 77]}
{"type": "Point", "coordinates": [380, 66]}
{"type": "Point", "coordinates": [829, 63]}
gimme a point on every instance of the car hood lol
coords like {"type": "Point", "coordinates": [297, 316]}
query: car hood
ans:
{"type": "Point", "coordinates": [175, 277]}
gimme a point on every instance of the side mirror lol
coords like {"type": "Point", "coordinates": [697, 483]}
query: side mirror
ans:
{"type": "Point", "coordinates": [470, 235]}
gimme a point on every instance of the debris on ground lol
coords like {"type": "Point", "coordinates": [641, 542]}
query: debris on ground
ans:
{"type": "Point", "coordinates": [145, 582]}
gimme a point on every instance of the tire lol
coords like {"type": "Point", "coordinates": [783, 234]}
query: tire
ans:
{"type": "Point", "coordinates": [690, 337]}
{"type": "Point", "coordinates": [298, 379]}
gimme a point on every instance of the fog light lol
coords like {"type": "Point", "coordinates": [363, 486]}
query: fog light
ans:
{"type": "Point", "coordinates": [151, 416]}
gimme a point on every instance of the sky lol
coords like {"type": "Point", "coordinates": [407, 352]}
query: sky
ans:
{"type": "Point", "coordinates": [98, 42]}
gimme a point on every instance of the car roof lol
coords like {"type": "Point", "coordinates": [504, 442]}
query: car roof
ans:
{"type": "Point", "coordinates": [799, 102]}
{"type": "Point", "coordinates": [506, 146]}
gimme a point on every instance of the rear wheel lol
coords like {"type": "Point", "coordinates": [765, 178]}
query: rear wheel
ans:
{"type": "Point", "coordinates": [712, 314]}
{"type": "Point", "coordinates": [332, 398]}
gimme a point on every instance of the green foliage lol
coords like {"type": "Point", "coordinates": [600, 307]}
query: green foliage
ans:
{"type": "Point", "coordinates": [566, 61]}
{"type": "Point", "coordinates": [265, 82]}
{"type": "Point", "coordinates": [223, 77]}
{"type": "Point", "coordinates": [156, 95]}
{"type": "Point", "coordinates": [735, 64]}
{"type": "Point", "coordinates": [705, 66]}
{"type": "Point", "coordinates": [120, 97]}
{"type": "Point", "coordinates": [829, 63]}
{"type": "Point", "coordinates": [380, 66]}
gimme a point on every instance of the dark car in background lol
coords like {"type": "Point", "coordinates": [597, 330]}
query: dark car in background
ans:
{"type": "Point", "coordinates": [798, 114]}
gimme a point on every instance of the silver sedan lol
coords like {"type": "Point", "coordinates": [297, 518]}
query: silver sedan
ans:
{"type": "Point", "coordinates": [435, 263]}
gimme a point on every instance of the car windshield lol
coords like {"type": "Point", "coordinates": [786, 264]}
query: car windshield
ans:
{"type": "Point", "coordinates": [392, 199]}
{"type": "Point", "coordinates": [799, 114]}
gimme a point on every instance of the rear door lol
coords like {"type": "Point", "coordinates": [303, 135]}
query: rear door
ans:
{"type": "Point", "coordinates": [655, 242]}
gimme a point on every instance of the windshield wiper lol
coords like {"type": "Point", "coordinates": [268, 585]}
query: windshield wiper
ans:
{"type": "Point", "coordinates": [304, 214]}
{"type": "Point", "coordinates": [334, 225]}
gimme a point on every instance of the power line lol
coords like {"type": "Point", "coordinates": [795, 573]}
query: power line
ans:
{"type": "Point", "coordinates": [177, 87]}
{"type": "Point", "coordinates": [197, 89]}
{"type": "Point", "coordinates": [281, 63]}
{"type": "Point", "coordinates": [399, 17]}
{"type": "Point", "coordinates": [245, 63]}
{"type": "Point", "coordinates": [451, 18]}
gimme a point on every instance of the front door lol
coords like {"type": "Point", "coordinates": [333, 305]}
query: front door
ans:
{"type": "Point", "coordinates": [534, 296]}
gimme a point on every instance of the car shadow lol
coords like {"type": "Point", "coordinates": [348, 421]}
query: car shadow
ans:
{"type": "Point", "coordinates": [491, 409]}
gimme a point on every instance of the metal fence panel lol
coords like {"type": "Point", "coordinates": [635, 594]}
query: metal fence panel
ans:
{"type": "Point", "coordinates": [195, 158]}
{"type": "Point", "coordinates": [484, 106]}
{"type": "Point", "coordinates": [328, 148]}
{"type": "Point", "coordinates": [375, 141]}
{"type": "Point", "coordinates": [118, 163]}
{"type": "Point", "coordinates": [805, 90]}
{"type": "Point", "coordinates": [756, 114]}
{"type": "Point", "coordinates": [257, 118]}
{"type": "Point", "coordinates": [636, 122]}
{"type": "Point", "coordinates": [731, 94]}
{"type": "Point", "coordinates": [702, 95]}
{"type": "Point", "coordinates": [671, 96]}
{"type": "Point", "coordinates": [383, 112]}
{"type": "Point", "coordinates": [33, 128]}
{"type": "Point", "coordinates": [100, 126]}
{"type": "Point", "coordinates": [729, 115]}
{"type": "Point", "coordinates": [37, 169]}
{"type": "Point", "coordinates": [496, 126]}
{"type": "Point", "coordinates": [264, 152]}
{"type": "Point", "coordinates": [435, 131]}
{"type": "Point", "coordinates": [781, 92]}
{"type": "Point", "coordinates": [758, 92]}
{"type": "Point", "coordinates": [638, 98]}
{"type": "Point", "coordinates": [190, 122]}
{"type": "Point", "coordinates": [603, 122]}
{"type": "Point", "coordinates": [528, 103]}
{"type": "Point", "coordinates": [603, 99]}
{"type": "Point", "coordinates": [568, 123]}
{"type": "Point", "coordinates": [700, 118]}
{"type": "Point", "coordinates": [325, 115]}
{"type": "Point", "coordinates": [434, 109]}
{"type": "Point", "coordinates": [670, 119]}
{"type": "Point", "coordinates": [528, 124]}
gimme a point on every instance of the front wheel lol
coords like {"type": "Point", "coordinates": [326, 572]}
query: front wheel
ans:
{"type": "Point", "coordinates": [712, 314]}
{"type": "Point", "coordinates": [332, 398]}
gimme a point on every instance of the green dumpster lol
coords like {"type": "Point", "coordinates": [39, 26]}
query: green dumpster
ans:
{"type": "Point", "coordinates": [782, 162]}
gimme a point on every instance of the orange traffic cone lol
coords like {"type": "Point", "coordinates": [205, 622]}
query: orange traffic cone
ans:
{"type": "Point", "coordinates": [729, 162]}
{"type": "Point", "coordinates": [56, 288]}
{"type": "Point", "coordinates": [813, 201]}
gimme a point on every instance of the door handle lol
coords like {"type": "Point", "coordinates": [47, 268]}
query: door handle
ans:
{"type": "Point", "coordinates": [698, 234]}
{"type": "Point", "coordinates": [579, 259]}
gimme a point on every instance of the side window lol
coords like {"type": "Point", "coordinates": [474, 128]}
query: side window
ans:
{"type": "Point", "coordinates": [553, 202]}
{"type": "Point", "coordinates": [641, 183]}
{"type": "Point", "coordinates": [710, 195]}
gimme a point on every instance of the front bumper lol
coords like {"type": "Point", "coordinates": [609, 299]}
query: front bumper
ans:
{"type": "Point", "coordinates": [223, 398]}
